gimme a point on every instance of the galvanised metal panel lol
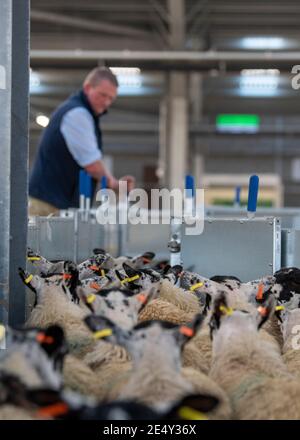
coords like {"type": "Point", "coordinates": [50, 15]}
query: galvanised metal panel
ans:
{"type": "Point", "coordinates": [148, 237]}
{"type": "Point", "coordinates": [290, 248]}
{"type": "Point", "coordinates": [289, 217]}
{"type": "Point", "coordinates": [71, 238]}
{"type": "Point", "coordinates": [248, 249]}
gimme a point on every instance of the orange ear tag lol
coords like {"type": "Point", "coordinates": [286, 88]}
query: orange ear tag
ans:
{"type": "Point", "coordinates": [260, 292]}
{"type": "Point", "coordinates": [186, 331]}
{"type": "Point", "coordinates": [42, 338]}
{"type": "Point", "coordinates": [263, 311]}
{"type": "Point", "coordinates": [66, 276]}
{"type": "Point", "coordinates": [95, 286]}
{"type": "Point", "coordinates": [94, 268]}
{"type": "Point", "coordinates": [54, 410]}
{"type": "Point", "coordinates": [142, 298]}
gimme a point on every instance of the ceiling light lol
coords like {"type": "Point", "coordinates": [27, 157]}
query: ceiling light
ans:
{"type": "Point", "coordinates": [42, 120]}
{"type": "Point", "coordinates": [263, 43]}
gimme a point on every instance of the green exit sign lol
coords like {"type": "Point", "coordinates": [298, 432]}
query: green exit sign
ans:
{"type": "Point", "coordinates": [239, 123]}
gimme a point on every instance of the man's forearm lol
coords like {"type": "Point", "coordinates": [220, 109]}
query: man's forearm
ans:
{"type": "Point", "coordinates": [97, 170]}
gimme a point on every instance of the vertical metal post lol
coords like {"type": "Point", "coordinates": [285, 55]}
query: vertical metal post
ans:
{"type": "Point", "coordinates": [14, 68]}
{"type": "Point", "coordinates": [5, 130]}
{"type": "Point", "coordinates": [178, 129]}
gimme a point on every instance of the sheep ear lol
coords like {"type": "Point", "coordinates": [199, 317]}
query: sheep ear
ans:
{"type": "Point", "coordinates": [98, 251]}
{"type": "Point", "coordinates": [119, 275]}
{"type": "Point", "coordinates": [193, 407]}
{"type": "Point", "coordinates": [27, 279]}
{"type": "Point", "coordinates": [187, 331]}
{"type": "Point", "coordinates": [219, 309]}
{"type": "Point", "coordinates": [148, 255]}
{"type": "Point", "coordinates": [87, 299]}
{"type": "Point", "coordinates": [145, 297]}
{"type": "Point", "coordinates": [264, 312]}
{"type": "Point", "coordinates": [104, 328]}
{"type": "Point", "coordinates": [130, 271]}
{"type": "Point", "coordinates": [52, 340]}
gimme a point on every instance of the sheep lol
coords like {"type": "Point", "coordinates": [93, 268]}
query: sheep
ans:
{"type": "Point", "coordinates": [123, 307]}
{"type": "Point", "coordinates": [119, 305]}
{"type": "Point", "coordinates": [237, 297]}
{"type": "Point", "coordinates": [251, 370]}
{"type": "Point", "coordinates": [185, 301]}
{"type": "Point", "coordinates": [156, 378]}
{"type": "Point", "coordinates": [290, 330]}
{"type": "Point", "coordinates": [35, 356]}
{"type": "Point", "coordinates": [54, 306]}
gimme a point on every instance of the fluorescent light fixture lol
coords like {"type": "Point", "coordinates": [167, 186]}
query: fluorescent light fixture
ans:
{"type": "Point", "coordinates": [263, 43]}
{"type": "Point", "coordinates": [237, 123]}
{"type": "Point", "coordinates": [42, 120]}
{"type": "Point", "coordinates": [128, 76]}
{"type": "Point", "coordinates": [259, 82]}
{"type": "Point", "coordinates": [260, 72]}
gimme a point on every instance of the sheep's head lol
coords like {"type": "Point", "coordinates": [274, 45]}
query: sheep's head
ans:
{"type": "Point", "coordinates": [119, 305]}
{"type": "Point", "coordinates": [41, 351]}
{"type": "Point", "coordinates": [136, 280]}
{"type": "Point", "coordinates": [173, 273]}
{"type": "Point", "coordinates": [70, 280]}
{"type": "Point", "coordinates": [237, 322]}
{"type": "Point", "coordinates": [230, 281]}
{"type": "Point", "coordinates": [141, 260]}
{"type": "Point", "coordinates": [148, 338]}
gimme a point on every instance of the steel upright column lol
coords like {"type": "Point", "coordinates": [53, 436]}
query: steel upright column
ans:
{"type": "Point", "coordinates": [19, 157]}
{"type": "Point", "coordinates": [14, 71]}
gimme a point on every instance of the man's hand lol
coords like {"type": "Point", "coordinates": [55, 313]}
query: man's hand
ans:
{"type": "Point", "coordinates": [113, 183]}
{"type": "Point", "coordinates": [130, 182]}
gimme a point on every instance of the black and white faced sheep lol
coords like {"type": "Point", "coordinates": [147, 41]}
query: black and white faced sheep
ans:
{"type": "Point", "coordinates": [35, 356]}
{"type": "Point", "coordinates": [118, 305]}
{"type": "Point", "coordinates": [251, 370]}
{"type": "Point", "coordinates": [157, 378]}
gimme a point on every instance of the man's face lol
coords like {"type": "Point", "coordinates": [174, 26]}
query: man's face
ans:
{"type": "Point", "coordinates": [101, 96]}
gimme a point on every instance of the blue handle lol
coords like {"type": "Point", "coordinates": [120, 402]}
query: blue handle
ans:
{"type": "Point", "coordinates": [190, 185]}
{"type": "Point", "coordinates": [85, 184]}
{"type": "Point", "coordinates": [238, 195]}
{"type": "Point", "coordinates": [88, 186]}
{"type": "Point", "coordinates": [253, 193]}
{"type": "Point", "coordinates": [82, 175]}
{"type": "Point", "coordinates": [103, 182]}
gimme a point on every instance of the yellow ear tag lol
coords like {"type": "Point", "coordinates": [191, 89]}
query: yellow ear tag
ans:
{"type": "Point", "coordinates": [2, 332]}
{"type": "Point", "coordinates": [102, 333]}
{"type": "Point", "coordinates": [33, 258]}
{"type": "Point", "coordinates": [28, 279]}
{"type": "Point", "coordinates": [278, 308]}
{"type": "Point", "coordinates": [186, 413]}
{"type": "Point", "coordinates": [129, 280]}
{"type": "Point", "coordinates": [90, 299]}
{"type": "Point", "coordinates": [226, 310]}
{"type": "Point", "coordinates": [102, 272]}
{"type": "Point", "coordinates": [196, 286]}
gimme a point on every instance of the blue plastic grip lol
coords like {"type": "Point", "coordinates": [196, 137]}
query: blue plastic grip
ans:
{"type": "Point", "coordinates": [88, 186]}
{"type": "Point", "coordinates": [253, 193]}
{"type": "Point", "coordinates": [85, 184]}
{"type": "Point", "coordinates": [238, 195]}
{"type": "Point", "coordinates": [103, 182]}
{"type": "Point", "coordinates": [190, 185]}
{"type": "Point", "coordinates": [82, 174]}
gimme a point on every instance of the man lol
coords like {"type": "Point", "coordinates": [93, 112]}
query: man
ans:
{"type": "Point", "coordinates": [72, 141]}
